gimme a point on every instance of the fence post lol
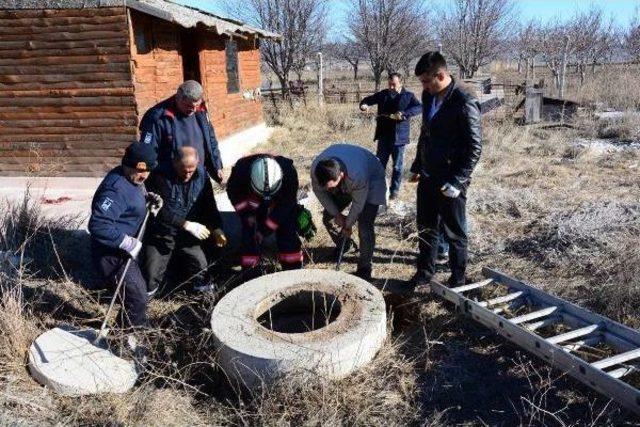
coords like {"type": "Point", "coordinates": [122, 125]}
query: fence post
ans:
{"type": "Point", "coordinates": [320, 80]}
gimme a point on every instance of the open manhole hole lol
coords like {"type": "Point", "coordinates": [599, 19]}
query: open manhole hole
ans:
{"type": "Point", "coordinates": [300, 312]}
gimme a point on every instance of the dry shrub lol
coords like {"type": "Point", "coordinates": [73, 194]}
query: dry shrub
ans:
{"type": "Point", "coordinates": [18, 329]}
{"type": "Point", "coordinates": [382, 393]}
{"type": "Point", "coordinates": [625, 128]}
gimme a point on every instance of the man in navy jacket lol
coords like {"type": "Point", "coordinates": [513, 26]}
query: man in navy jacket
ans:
{"type": "Point", "coordinates": [182, 120]}
{"type": "Point", "coordinates": [117, 212]}
{"type": "Point", "coordinates": [396, 106]}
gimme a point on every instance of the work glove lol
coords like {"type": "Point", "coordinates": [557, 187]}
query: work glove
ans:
{"type": "Point", "coordinates": [131, 245]}
{"type": "Point", "coordinates": [396, 116]}
{"type": "Point", "coordinates": [220, 238]}
{"type": "Point", "coordinates": [197, 230]}
{"type": "Point", "coordinates": [155, 203]}
{"type": "Point", "coordinates": [450, 191]}
{"type": "Point", "coordinates": [364, 107]}
{"type": "Point", "coordinates": [305, 226]}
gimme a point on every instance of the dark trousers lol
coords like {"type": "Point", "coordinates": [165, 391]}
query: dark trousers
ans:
{"type": "Point", "coordinates": [366, 230]}
{"type": "Point", "coordinates": [110, 266]}
{"type": "Point", "coordinates": [396, 152]}
{"type": "Point", "coordinates": [158, 252]}
{"type": "Point", "coordinates": [434, 209]}
{"type": "Point", "coordinates": [287, 239]}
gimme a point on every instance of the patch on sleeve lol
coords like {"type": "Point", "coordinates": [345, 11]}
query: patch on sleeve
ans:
{"type": "Point", "coordinates": [106, 204]}
{"type": "Point", "coordinates": [147, 137]}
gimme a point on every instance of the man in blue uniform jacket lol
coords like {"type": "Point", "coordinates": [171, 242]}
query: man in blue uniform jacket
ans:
{"type": "Point", "coordinates": [182, 120]}
{"type": "Point", "coordinates": [396, 106]}
{"type": "Point", "coordinates": [117, 212]}
{"type": "Point", "coordinates": [188, 218]}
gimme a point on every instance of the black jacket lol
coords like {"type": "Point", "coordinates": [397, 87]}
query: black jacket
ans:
{"type": "Point", "coordinates": [158, 128]}
{"type": "Point", "coordinates": [388, 130]}
{"type": "Point", "coordinates": [269, 214]}
{"type": "Point", "coordinates": [450, 144]}
{"type": "Point", "coordinates": [190, 201]}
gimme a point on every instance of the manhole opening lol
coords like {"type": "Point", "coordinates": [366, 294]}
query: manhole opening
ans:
{"type": "Point", "coordinates": [303, 311]}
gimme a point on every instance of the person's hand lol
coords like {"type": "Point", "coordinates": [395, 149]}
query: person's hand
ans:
{"type": "Point", "coordinates": [415, 177]}
{"type": "Point", "coordinates": [340, 220]}
{"type": "Point", "coordinates": [220, 176]}
{"type": "Point", "coordinates": [364, 107]}
{"type": "Point", "coordinates": [131, 245]}
{"type": "Point", "coordinates": [155, 203]}
{"type": "Point", "coordinates": [220, 238]}
{"type": "Point", "coordinates": [259, 237]}
{"type": "Point", "coordinates": [197, 230]}
{"type": "Point", "coordinates": [397, 116]}
{"type": "Point", "coordinates": [347, 231]}
{"type": "Point", "coordinates": [450, 191]}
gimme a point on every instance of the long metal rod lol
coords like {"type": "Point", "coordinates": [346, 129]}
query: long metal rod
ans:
{"type": "Point", "coordinates": [102, 333]}
{"type": "Point", "coordinates": [344, 242]}
{"type": "Point", "coordinates": [561, 356]}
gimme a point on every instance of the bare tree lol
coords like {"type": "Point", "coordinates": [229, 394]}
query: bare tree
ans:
{"type": "Point", "coordinates": [595, 40]}
{"type": "Point", "coordinates": [474, 32]}
{"type": "Point", "coordinates": [558, 45]}
{"type": "Point", "coordinates": [527, 47]}
{"type": "Point", "coordinates": [391, 32]}
{"type": "Point", "coordinates": [347, 50]}
{"type": "Point", "coordinates": [631, 39]}
{"type": "Point", "coordinates": [301, 24]}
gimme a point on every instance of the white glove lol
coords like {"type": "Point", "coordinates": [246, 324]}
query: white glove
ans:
{"type": "Point", "coordinates": [155, 203]}
{"type": "Point", "coordinates": [198, 230]}
{"type": "Point", "coordinates": [131, 245]}
{"type": "Point", "coordinates": [450, 191]}
{"type": "Point", "coordinates": [364, 107]}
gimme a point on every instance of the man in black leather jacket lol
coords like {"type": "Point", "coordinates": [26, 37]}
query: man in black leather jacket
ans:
{"type": "Point", "coordinates": [448, 149]}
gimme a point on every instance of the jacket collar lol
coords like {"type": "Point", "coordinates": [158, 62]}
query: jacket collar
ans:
{"type": "Point", "coordinates": [171, 110]}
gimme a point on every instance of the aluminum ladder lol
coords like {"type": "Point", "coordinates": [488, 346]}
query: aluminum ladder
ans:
{"type": "Point", "coordinates": [581, 330]}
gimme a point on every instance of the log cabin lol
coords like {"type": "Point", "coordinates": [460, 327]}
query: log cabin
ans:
{"type": "Point", "coordinates": [76, 76]}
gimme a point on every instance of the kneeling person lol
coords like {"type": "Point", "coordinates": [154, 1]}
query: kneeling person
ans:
{"type": "Point", "coordinates": [263, 190]}
{"type": "Point", "coordinates": [118, 210]}
{"type": "Point", "coordinates": [344, 175]}
{"type": "Point", "coordinates": [188, 218]}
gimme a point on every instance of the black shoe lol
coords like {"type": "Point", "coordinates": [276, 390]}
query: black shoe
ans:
{"type": "Point", "coordinates": [442, 259]}
{"type": "Point", "coordinates": [454, 283]}
{"type": "Point", "coordinates": [420, 279]}
{"type": "Point", "coordinates": [364, 274]}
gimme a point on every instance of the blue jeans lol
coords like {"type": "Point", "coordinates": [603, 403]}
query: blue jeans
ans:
{"type": "Point", "coordinates": [388, 149]}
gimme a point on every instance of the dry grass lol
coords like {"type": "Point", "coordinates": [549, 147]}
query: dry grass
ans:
{"type": "Point", "coordinates": [538, 208]}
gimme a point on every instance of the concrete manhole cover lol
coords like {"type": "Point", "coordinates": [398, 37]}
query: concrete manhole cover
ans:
{"type": "Point", "coordinates": [326, 322]}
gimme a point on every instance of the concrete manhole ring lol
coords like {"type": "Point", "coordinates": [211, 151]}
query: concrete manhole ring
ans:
{"type": "Point", "coordinates": [323, 321]}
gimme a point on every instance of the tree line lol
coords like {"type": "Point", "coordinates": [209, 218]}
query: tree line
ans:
{"type": "Point", "coordinates": [388, 36]}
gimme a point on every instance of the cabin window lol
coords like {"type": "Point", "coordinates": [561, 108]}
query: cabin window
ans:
{"type": "Point", "coordinates": [142, 38]}
{"type": "Point", "coordinates": [233, 79]}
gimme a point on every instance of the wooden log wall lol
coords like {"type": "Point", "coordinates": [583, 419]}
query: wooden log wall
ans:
{"type": "Point", "coordinates": [67, 104]}
{"type": "Point", "coordinates": [158, 68]}
{"type": "Point", "coordinates": [231, 112]}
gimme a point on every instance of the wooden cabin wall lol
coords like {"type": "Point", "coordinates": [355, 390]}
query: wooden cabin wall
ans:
{"type": "Point", "coordinates": [231, 113]}
{"type": "Point", "coordinates": [66, 91]}
{"type": "Point", "coordinates": [156, 60]}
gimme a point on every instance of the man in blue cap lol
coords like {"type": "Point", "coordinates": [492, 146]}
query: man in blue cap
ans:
{"type": "Point", "coordinates": [118, 210]}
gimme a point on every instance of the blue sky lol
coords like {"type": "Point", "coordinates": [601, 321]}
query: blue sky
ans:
{"type": "Point", "coordinates": [621, 10]}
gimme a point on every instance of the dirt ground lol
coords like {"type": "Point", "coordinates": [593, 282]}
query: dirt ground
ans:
{"type": "Point", "coordinates": [542, 208]}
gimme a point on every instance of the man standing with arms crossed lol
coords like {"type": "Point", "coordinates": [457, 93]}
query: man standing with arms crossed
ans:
{"type": "Point", "coordinates": [448, 149]}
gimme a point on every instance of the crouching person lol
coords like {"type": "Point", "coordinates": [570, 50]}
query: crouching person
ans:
{"type": "Point", "coordinates": [344, 175]}
{"type": "Point", "coordinates": [263, 190]}
{"type": "Point", "coordinates": [188, 218]}
{"type": "Point", "coordinates": [118, 210]}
